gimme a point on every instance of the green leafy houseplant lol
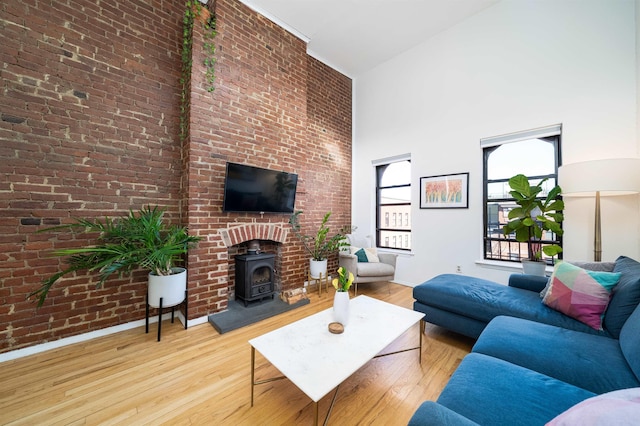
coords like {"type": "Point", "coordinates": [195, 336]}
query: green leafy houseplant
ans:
{"type": "Point", "coordinates": [320, 245]}
{"type": "Point", "coordinates": [135, 241]}
{"type": "Point", "coordinates": [534, 215]}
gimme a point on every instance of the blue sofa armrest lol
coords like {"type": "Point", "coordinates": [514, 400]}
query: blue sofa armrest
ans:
{"type": "Point", "coordinates": [433, 414]}
{"type": "Point", "coordinates": [528, 282]}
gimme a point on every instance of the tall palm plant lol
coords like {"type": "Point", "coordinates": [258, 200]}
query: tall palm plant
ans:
{"type": "Point", "coordinates": [135, 241]}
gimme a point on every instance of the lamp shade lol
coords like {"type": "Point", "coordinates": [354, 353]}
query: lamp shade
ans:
{"type": "Point", "coordinates": [614, 176]}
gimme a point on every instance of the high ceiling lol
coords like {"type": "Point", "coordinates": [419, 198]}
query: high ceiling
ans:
{"type": "Point", "coordinates": [353, 36]}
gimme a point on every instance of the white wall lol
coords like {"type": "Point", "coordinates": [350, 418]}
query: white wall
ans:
{"type": "Point", "coordinates": [519, 65]}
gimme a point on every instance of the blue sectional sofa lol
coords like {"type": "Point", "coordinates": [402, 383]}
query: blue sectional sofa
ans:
{"type": "Point", "coordinates": [531, 363]}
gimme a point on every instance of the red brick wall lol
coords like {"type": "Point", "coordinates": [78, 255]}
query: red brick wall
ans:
{"type": "Point", "coordinates": [89, 127]}
{"type": "Point", "coordinates": [273, 107]}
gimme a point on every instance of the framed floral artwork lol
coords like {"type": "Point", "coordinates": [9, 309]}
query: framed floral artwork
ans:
{"type": "Point", "coordinates": [445, 191]}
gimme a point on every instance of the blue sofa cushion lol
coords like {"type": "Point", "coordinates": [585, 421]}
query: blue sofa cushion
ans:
{"type": "Point", "coordinates": [595, 363]}
{"type": "Point", "coordinates": [626, 295]}
{"type": "Point", "coordinates": [630, 341]}
{"type": "Point", "coordinates": [454, 322]}
{"type": "Point", "coordinates": [490, 391]}
{"type": "Point", "coordinates": [528, 282]}
{"type": "Point", "coordinates": [483, 300]}
{"type": "Point", "coordinates": [433, 414]}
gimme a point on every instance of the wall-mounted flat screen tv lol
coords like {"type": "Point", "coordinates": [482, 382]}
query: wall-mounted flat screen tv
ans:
{"type": "Point", "coordinates": [253, 189]}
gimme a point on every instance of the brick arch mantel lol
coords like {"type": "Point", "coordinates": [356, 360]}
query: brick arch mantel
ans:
{"type": "Point", "coordinates": [237, 234]}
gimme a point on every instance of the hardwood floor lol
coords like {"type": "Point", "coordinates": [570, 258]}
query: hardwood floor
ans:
{"type": "Point", "coordinates": [199, 377]}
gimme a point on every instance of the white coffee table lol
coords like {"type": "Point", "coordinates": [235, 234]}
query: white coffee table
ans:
{"type": "Point", "coordinates": [317, 361]}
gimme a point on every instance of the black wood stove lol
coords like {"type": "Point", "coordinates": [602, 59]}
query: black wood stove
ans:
{"type": "Point", "coordinates": [254, 276]}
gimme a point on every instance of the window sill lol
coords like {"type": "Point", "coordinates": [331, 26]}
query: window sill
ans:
{"type": "Point", "coordinates": [398, 252]}
{"type": "Point", "coordinates": [505, 266]}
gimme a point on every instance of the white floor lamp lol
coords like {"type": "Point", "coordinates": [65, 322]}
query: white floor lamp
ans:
{"type": "Point", "coordinates": [614, 176]}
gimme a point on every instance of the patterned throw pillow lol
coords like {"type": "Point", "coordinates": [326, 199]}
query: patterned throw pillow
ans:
{"type": "Point", "coordinates": [591, 266]}
{"type": "Point", "coordinates": [580, 294]}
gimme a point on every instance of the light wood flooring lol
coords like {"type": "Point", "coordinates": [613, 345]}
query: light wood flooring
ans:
{"type": "Point", "coordinates": [199, 377]}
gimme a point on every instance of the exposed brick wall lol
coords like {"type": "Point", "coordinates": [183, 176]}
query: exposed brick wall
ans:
{"type": "Point", "coordinates": [274, 107]}
{"type": "Point", "coordinates": [88, 118]}
{"type": "Point", "coordinates": [89, 127]}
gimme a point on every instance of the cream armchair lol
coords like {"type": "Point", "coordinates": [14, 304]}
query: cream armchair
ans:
{"type": "Point", "coordinates": [367, 272]}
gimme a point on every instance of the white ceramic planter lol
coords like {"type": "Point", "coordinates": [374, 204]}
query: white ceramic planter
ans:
{"type": "Point", "coordinates": [341, 307]}
{"type": "Point", "coordinates": [170, 287]}
{"type": "Point", "coordinates": [318, 267]}
{"type": "Point", "coordinates": [534, 268]}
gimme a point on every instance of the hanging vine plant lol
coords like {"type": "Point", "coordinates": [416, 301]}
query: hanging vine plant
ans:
{"type": "Point", "coordinates": [210, 34]}
{"type": "Point", "coordinates": [193, 12]}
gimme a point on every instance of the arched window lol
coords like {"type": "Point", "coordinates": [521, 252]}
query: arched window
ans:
{"type": "Point", "coordinates": [393, 196]}
{"type": "Point", "coordinates": [535, 154]}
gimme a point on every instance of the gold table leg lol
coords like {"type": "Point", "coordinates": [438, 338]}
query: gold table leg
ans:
{"type": "Point", "coordinates": [422, 324]}
{"type": "Point", "coordinates": [253, 371]}
{"type": "Point", "coordinates": [255, 382]}
{"type": "Point", "coordinates": [316, 414]}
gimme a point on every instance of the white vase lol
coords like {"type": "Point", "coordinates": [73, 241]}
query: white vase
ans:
{"type": "Point", "coordinates": [532, 267]}
{"type": "Point", "coordinates": [317, 267]}
{"type": "Point", "coordinates": [170, 287]}
{"type": "Point", "coordinates": [341, 307]}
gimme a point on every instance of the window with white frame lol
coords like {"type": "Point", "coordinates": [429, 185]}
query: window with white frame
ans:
{"type": "Point", "coordinates": [393, 194]}
{"type": "Point", "coordinates": [533, 153]}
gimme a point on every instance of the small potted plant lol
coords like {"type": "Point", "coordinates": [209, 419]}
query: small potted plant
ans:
{"type": "Point", "coordinates": [532, 217]}
{"type": "Point", "coordinates": [342, 283]}
{"type": "Point", "coordinates": [320, 245]}
{"type": "Point", "coordinates": [124, 244]}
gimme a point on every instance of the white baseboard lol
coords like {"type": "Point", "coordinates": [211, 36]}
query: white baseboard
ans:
{"type": "Point", "coordinates": [404, 283]}
{"type": "Point", "coordinates": [66, 341]}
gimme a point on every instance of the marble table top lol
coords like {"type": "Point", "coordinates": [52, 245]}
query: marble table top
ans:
{"type": "Point", "coordinates": [317, 361]}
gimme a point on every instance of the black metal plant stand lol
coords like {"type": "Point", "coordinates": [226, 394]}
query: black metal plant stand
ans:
{"type": "Point", "coordinates": [186, 313]}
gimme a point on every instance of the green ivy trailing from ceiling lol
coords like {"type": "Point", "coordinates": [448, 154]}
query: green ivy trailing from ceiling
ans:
{"type": "Point", "coordinates": [193, 9]}
{"type": "Point", "coordinates": [210, 34]}
{"type": "Point", "coordinates": [187, 64]}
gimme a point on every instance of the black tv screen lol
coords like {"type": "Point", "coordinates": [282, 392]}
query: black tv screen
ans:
{"type": "Point", "coordinates": [253, 189]}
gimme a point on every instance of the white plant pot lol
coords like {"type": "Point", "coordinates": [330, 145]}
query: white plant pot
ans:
{"type": "Point", "coordinates": [531, 267]}
{"type": "Point", "coordinates": [170, 287]}
{"type": "Point", "coordinates": [318, 267]}
{"type": "Point", "coordinates": [341, 307]}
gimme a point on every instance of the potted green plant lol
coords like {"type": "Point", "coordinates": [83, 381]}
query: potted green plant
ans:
{"type": "Point", "coordinates": [141, 240]}
{"type": "Point", "coordinates": [532, 217]}
{"type": "Point", "coordinates": [318, 246]}
{"type": "Point", "coordinates": [342, 283]}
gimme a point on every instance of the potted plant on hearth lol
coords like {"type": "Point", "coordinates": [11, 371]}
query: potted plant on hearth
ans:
{"type": "Point", "coordinates": [320, 245]}
{"type": "Point", "coordinates": [533, 216]}
{"type": "Point", "coordinates": [136, 241]}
